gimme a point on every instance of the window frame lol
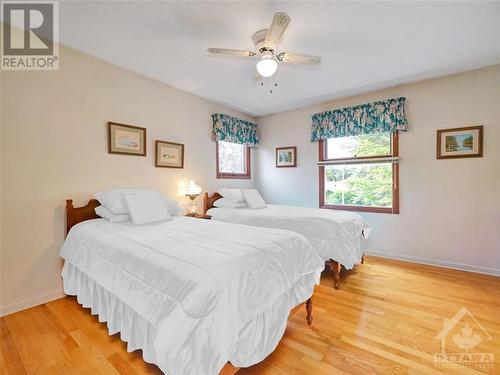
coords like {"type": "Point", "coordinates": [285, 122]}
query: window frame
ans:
{"type": "Point", "coordinates": [225, 175]}
{"type": "Point", "coordinates": [322, 148]}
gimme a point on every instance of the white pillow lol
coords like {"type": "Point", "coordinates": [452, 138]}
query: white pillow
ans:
{"type": "Point", "coordinates": [108, 215]}
{"type": "Point", "coordinates": [234, 195]}
{"type": "Point", "coordinates": [253, 198]}
{"type": "Point", "coordinates": [113, 200]}
{"type": "Point", "coordinates": [226, 203]}
{"type": "Point", "coordinates": [147, 207]}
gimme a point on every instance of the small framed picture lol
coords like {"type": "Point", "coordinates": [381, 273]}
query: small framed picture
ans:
{"type": "Point", "coordinates": [169, 154]}
{"type": "Point", "coordinates": [286, 157]}
{"type": "Point", "coordinates": [126, 139]}
{"type": "Point", "coordinates": [460, 142]}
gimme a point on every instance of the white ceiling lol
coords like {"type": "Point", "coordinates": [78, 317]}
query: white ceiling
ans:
{"type": "Point", "coordinates": [365, 45]}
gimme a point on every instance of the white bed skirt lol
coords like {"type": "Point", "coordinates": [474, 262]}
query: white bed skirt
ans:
{"type": "Point", "coordinates": [136, 331]}
{"type": "Point", "coordinates": [257, 338]}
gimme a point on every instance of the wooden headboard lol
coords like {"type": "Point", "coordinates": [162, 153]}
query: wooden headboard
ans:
{"type": "Point", "coordinates": [75, 215]}
{"type": "Point", "coordinates": [208, 201]}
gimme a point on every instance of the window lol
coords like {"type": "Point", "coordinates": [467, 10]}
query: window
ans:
{"type": "Point", "coordinates": [360, 173]}
{"type": "Point", "coordinates": [233, 160]}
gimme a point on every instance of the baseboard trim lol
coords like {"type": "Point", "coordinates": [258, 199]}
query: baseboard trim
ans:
{"type": "Point", "coordinates": [439, 263]}
{"type": "Point", "coordinates": [31, 302]}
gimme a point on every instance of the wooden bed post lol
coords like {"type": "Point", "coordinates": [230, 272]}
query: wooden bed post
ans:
{"type": "Point", "coordinates": [309, 309]}
{"type": "Point", "coordinates": [335, 268]}
{"type": "Point", "coordinates": [208, 201]}
{"type": "Point", "coordinates": [75, 215]}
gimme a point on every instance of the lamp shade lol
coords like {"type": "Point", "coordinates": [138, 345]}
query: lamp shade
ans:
{"type": "Point", "coordinates": [193, 189]}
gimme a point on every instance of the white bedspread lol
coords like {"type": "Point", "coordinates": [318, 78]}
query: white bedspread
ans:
{"type": "Point", "coordinates": [206, 292]}
{"type": "Point", "coordinates": [336, 235]}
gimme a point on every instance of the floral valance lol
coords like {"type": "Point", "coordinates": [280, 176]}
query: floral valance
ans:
{"type": "Point", "coordinates": [231, 129]}
{"type": "Point", "coordinates": [382, 116]}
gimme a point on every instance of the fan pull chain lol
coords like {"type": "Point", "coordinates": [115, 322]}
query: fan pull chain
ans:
{"type": "Point", "coordinates": [272, 84]}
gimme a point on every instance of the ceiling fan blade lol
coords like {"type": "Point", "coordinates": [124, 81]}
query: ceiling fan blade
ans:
{"type": "Point", "coordinates": [275, 32]}
{"type": "Point", "coordinates": [232, 52]}
{"type": "Point", "coordinates": [298, 58]}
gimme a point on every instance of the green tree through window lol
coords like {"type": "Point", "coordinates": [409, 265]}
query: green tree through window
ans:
{"type": "Point", "coordinates": [363, 184]}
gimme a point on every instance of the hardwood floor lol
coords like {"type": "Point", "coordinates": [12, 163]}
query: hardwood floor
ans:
{"type": "Point", "coordinates": [384, 319]}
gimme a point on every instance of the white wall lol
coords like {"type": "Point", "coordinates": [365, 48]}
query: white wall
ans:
{"type": "Point", "coordinates": [449, 209]}
{"type": "Point", "coordinates": [54, 146]}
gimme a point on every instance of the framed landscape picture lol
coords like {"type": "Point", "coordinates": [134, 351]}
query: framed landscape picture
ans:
{"type": "Point", "coordinates": [286, 157]}
{"type": "Point", "coordinates": [464, 142]}
{"type": "Point", "coordinates": [126, 139]}
{"type": "Point", "coordinates": [169, 154]}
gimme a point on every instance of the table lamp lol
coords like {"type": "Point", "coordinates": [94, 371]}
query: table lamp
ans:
{"type": "Point", "coordinates": [192, 191]}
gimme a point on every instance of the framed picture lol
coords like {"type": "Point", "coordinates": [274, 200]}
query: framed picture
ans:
{"type": "Point", "coordinates": [126, 139]}
{"type": "Point", "coordinates": [169, 154]}
{"type": "Point", "coordinates": [286, 157]}
{"type": "Point", "coordinates": [460, 142]}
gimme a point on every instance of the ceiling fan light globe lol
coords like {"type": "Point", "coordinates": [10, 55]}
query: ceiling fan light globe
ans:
{"type": "Point", "coordinates": [267, 66]}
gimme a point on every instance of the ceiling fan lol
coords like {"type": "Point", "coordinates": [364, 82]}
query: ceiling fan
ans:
{"type": "Point", "coordinates": [266, 44]}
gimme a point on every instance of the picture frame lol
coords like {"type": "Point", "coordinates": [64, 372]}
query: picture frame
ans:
{"type": "Point", "coordinates": [465, 142]}
{"type": "Point", "coordinates": [169, 154]}
{"type": "Point", "coordinates": [126, 139]}
{"type": "Point", "coordinates": [286, 157]}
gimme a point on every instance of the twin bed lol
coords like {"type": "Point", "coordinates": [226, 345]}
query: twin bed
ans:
{"type": "Point", "coordinates": [337, 236]}
{"type": "Point", "coordinates": [204, 297]}
{"type": "Point", "coordinates": [197, 296]}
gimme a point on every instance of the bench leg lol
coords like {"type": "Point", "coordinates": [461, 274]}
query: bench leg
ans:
{"type": "Point", "coordinates": [309, 309]}
{"type": "Point", "coordinates": [335, 267]}
{"type": "Point", "coordinates": [362, 258]}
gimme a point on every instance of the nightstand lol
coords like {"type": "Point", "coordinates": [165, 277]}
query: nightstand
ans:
{"type": "Point", "coordinates": [199, 216]}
